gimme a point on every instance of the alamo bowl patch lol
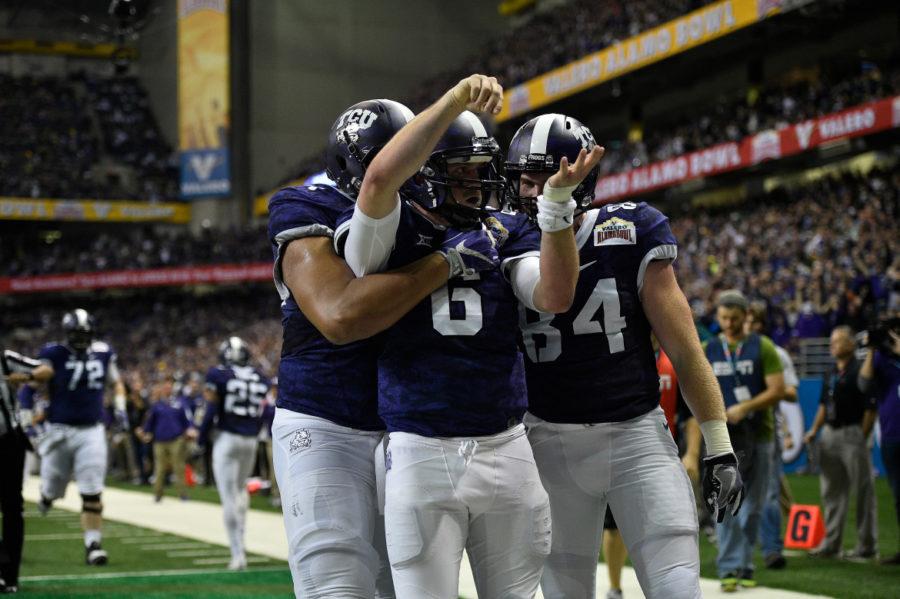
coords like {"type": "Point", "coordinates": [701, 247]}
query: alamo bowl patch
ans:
{"type": "Point", "coordinates": [497, 230]}
{"type": "Point", "coordinates": [615, 231]}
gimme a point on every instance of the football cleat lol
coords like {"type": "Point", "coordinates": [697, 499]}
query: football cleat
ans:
{"type": "Point", "coordinates": [44, 505]}
{"type": "Point", "coordinates": [238, 563]}
{"type": "Point", "coordinates": [94, 555]}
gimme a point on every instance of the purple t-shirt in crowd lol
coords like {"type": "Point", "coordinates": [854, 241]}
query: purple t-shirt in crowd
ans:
{"type": "Point", "coordinates": [168, 419]}
{"type": "Point", "coordinates": [887, 381]}
{"type": "Point", "coordinates": [810, 325]}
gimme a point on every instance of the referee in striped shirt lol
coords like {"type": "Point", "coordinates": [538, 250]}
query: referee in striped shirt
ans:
{"type": "Point", "coordinates": [14, 369]}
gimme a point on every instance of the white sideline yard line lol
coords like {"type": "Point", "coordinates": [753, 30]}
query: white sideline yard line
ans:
{"type": "Point", "coordinates": [149, 573]}
{"type": "Point", "coordinates": [173, 546]}
{"type": "Point", "coordinates": [221, 551]}
{"type": "Point", "coordinates": [77, 535]}
{"type": "Point", "coordinates": [265, 535]}
{"type": "Point", "coordinates": [142, 538]}
{"type": "Point", "coordinates": [218, 560]}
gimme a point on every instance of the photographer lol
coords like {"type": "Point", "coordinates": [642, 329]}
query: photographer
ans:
{"type": "Point", "coordinates": [880, 373]}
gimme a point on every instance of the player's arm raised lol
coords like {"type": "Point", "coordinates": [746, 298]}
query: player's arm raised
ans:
{"type": "Point", "coordinates": [555, 289]}
{"type": "Point", "coordinates": [345, 308]}
{"type": "Point", "coordinates": [377, 213]}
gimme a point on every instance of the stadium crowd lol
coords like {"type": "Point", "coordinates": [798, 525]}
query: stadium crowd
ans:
{"type": "Point", "coordinates": [731, 119]}
{"type": "Point", "coordinates": [819, 255]}
{"type": "Point", "coordinates": [31, 252]}
{"type": "Point", "coordinates": [562, 36]}
{"type": "Point", "coordinates": [51, 146]}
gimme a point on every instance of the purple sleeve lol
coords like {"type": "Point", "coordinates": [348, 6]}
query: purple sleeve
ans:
{"type": "Point", "coordinates": [151, 420]}
{"type": "Point", "coordinates": [516, 235]}
{"type": "Point", "coordinates": [294, 214]}
{"type": "Point", "coordinates": [26, 397]}
{"type": "Point", "coordinates": [655, 240]}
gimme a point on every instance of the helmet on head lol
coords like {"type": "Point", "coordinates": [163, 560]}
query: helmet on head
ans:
{"type": "Point", "coordinates": [465, 142]}
{"type": "Point", "coordinates": [79, 328]}
{"type": "Point", "coordinates": [234, 352]}
{"type": "Point", "coordinates": [357, 135]}
{"type": "Point", "coordinates": [537, 147]}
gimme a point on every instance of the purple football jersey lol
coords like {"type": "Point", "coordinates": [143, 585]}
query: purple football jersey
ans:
{"type": "Point", "coordinates": [316, 377]}
{"type": "Point", "coordinates": [451, 366]}
{"type": "Point", "coordinates": [595, 363]}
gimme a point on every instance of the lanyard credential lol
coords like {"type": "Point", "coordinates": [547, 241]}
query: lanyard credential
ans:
{"type": "Point", "coordinates": [732, 359]}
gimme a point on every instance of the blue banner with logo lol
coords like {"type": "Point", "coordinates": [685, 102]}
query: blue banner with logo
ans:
{"type": "Point", "coordinates": [203, 98]}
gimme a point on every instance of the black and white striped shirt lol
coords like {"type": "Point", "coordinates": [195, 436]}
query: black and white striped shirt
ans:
{"type": "Point", "coordinates": [11, 362]}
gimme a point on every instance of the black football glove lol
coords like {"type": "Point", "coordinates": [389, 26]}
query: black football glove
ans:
{"type": "Point", "coordinates": [722, 485]}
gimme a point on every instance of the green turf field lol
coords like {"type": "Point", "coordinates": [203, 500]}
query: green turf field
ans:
{"type": "Point", "coordinates": [198, 493]}
{"type": "Point", "coordinates": [835, 578]}
{"type": "Point", "coordinates": [142, 563]}
{"type": "Point", "coordinates": [184, 568]}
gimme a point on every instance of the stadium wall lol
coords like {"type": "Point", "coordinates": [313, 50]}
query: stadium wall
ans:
{"type": "Point", "coordinates": [310, 59]}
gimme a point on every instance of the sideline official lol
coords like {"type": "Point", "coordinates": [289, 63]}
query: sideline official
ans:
{"type": "Point", "coordinates": [14, 369]}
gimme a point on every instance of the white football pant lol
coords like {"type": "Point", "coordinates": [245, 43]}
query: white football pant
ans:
{"type": "Point", "coordinates": [634, 466]}
{"type": "Point", "coordinates": [66, 450]}
{"type": "Point", "coordinates": [232, 462]}
{"type": "Point", "coordinates": [480, 494]}
{"type": "Point", "coordinates": [326, 473]}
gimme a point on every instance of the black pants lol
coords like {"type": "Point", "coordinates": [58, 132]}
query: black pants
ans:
{"type": "Point", "coordinates": [12, 467]}
{"type": "Point", "coordinates": [890, 454]}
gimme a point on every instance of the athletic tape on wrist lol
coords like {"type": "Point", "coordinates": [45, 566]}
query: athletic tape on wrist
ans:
{"type": "Point", "coordinates": [553, 216]}
{"type": "Point", "coordinates": [715, 433]}
{"type": "Point", "coordinates": [560, 195]}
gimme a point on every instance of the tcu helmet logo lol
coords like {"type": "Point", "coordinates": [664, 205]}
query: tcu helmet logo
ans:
{"type": "Point", "coordinates": [586, 138]}
{"type": "Point", "coordinates": [352, 121]}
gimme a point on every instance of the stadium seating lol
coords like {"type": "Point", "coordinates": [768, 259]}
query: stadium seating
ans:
{"type": "Point", "coordinates": [81, 137]}
{"type": "Point", "coordinates": [731, 119]}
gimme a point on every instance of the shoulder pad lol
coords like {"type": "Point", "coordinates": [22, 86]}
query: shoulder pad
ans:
{"type": "Point", "coordinates": [100, 347]}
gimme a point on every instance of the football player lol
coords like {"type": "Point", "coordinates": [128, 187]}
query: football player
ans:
{"type": "Point", "coordinates": [460, 473]}
{"type": "Point", "coordinates": [594, 422]}
{"type": "Point", "coordinates": [326, 429]}
{"type": "Point", "coordinates": [75, 442]}
{"type": "Point", "coordinates": [234, 393]}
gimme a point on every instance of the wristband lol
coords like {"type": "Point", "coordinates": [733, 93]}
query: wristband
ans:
{"type": "Point", "coordinates": [560, 195]}
{"type": "Point", "coordinates": [715, 433]}
{"type": "Point", "coordinates": [553, 216]}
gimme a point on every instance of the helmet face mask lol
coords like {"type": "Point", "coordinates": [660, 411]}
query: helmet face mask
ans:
{"type": "Point", "coordinates": [463, 174]}
{"type": "Point", "coordinates": [537, 147]}
{"type": "Point", "coordinates": [79, 329]}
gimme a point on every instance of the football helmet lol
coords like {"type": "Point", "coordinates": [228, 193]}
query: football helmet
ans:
{"type": "Point", "coordinates": [234, 352]}
{"type": "Point", "coordinates": [78, 326]}
{"type": "Point", "coordinates": [537, 147]}
{"type": "Point", "coordinates": [357, 135]}
{"type": "Point", "coordinates": [466, 141]}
